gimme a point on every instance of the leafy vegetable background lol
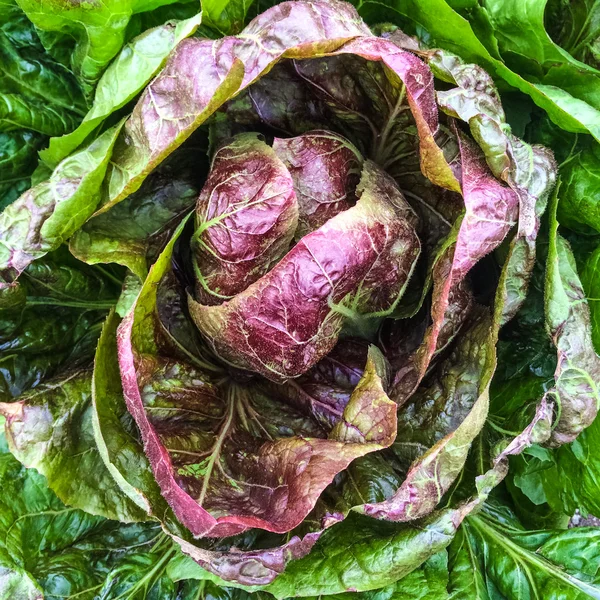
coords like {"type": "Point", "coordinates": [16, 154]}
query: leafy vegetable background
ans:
{"type": "Point", "coordinates": [74, 520]}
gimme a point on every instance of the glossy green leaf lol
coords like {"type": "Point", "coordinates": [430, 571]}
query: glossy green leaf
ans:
{"type": "Point", "coordinates": [48, 214]}
{"type": "Point", "coordinates": [137, 62]}
{"type": "Point", "coordinates": [358, 554]}
{"type": "Point", "coordinates": [226, 16]}
{"type": "Point", "coordinates": [50, 429]}
{"type": "Point", "coordinates": [495, 557]}
{"type": "Point", "coordinates": [18, 112]}
{"type": "Point", "coordinates": [18, 158]}
{"type": "Point", "coordinates": [93, 34]}
{"type": "Point", "coordinates": [31, 73]}
{"type": "Point", "coordinates": [50, 317]}
{"type": "Point", "coordinates": [427, 582]}
{"type": "Point", "coordinates": [55, 552]}
{"type": "Point", "coordinates": [519, 29]}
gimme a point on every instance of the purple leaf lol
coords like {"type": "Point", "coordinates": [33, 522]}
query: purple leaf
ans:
{"type": "Point", "coordinates": [226, 455]}
{"type": "Point", "coordinates": [246, 217]}
{"type": "Point", "coordinates": [529, 170]}
{"type": "Point", "coordinates": [358, 262]}
{"type": "Point", "coordinates": [201, 75]}
{"type": "Point", "coordinates": [325, 168]}
{"type": "Point", "coordinates": [490, 212]}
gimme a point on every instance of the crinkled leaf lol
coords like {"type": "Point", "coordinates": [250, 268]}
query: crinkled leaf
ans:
{"type": "Point", "coordinates": [46, 215]}
{"type": "Point", "coordinates": [568, 322]}
{"type": "Point", "coordinates": [250, 568]}
{"type": "Point", "coordinates": [438, 424]}
{"type": "Point", "coordinates": [137, 62]}
{"type": "Point", "coordinates": [88, 36]}
{"type": "Point", "coordinates": [217, 482]}
{"type": "Point", "coordinates": [358, 262]}
{"type": "Point", "coordinates": [325, 169]}
{"type": "Point", "coordinates": [325, 390]}
{"type": "Point", "coordinates": [133, 232]}
{"type": "Point", "coordinates": [207, 74]}
{"type": "Point", "coordinates": [280, 100]}
{"type": "Point", "coordinates": [482, 228]}
{"type": "Point", "coordinates": [246, 217]}
{"type": "Point", "coordinates": [530, 171]}
{"type": "Point", "coordinates": [50, 429]}
{"type": "Point", "coordinates": [18, 158]}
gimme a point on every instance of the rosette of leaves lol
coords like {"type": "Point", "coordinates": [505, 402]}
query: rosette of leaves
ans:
{"type": "Point", "coordinates": [309, 331]}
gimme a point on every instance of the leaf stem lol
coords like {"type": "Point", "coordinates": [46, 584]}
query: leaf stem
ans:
{"type": "Point", "coordinates": [97, 305]}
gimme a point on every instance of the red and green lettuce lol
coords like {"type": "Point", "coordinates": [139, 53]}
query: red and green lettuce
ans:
{"type": "Point", "coordinates": [287, 298]}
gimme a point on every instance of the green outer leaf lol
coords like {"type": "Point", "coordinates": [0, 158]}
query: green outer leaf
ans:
{"type": "Point", "coordinates": [451, 31]}
{"type": "Point", "coordinates": [568, 476]}
{"type": "Point", "coordinates": [48, 214]}
{"type": "Point", "coordinates": [577, 375]}
{"type": "Point", "coordinates": [466, 579]}
{"type": "Point", "coordinates": [61, 552]}
{"type": "Point", "coordinates": [50, 429]}
{"type": "Point", "coordinates": [429, 582]}
{"type": "Point", "coordinates": [98, 30]}
{"type": "Point", "coordinates": [121, 452]}
{"type": "Point", "coordinates": [18, 157]}
{"type": "Point", "coordinates": [579, 199]}
{"type": "Point", "coordinates": [588, 117]}
{"type": "Point", "coordinates": [519, 28]}
{"type": "Point", "coordinates": [224, 73]}
{"type": "Point", "coordinates": [26, 71]}
{"type": "Point", "coordinates": [226, 16]}
{"type": "Point", "coordinates": [564, 565]}
{"type": "Point", "coordinates": [18, 112]}
{"type": "Point", "coordinates": [131, 70]}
